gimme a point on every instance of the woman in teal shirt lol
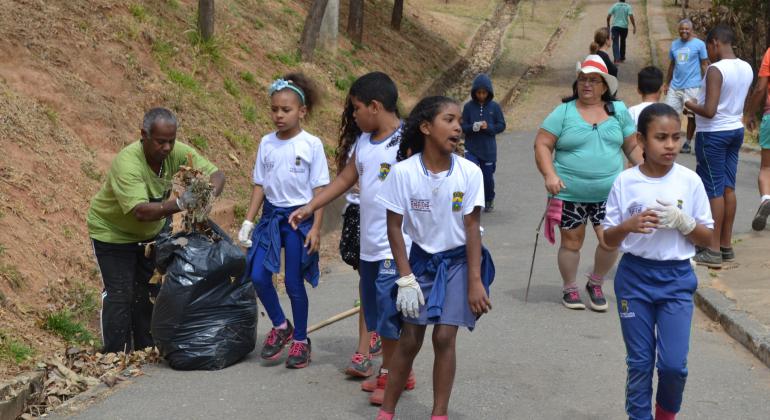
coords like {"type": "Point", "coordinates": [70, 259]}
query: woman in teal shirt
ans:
{"type": "Point", "coordinates": [579, 151]}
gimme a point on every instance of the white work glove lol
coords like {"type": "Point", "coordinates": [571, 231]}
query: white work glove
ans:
{"type": "Point", "coordinates": [409, 296]}
{"type": "Point", "coordinates": [671, 217]}
{"type": "Point", "coordinates": [244, 235]}
{"type": "Point", "coordinates": [185, 201]}
{"type": "Point", "coordinates": [477, 126]}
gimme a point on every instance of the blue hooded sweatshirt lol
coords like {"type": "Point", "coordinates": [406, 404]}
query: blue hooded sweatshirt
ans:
{"type": "Point", "coordinates": [482, 143]}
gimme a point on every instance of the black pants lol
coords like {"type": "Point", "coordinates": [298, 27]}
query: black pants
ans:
{"type": "Point", "coordinates": [126, 306]}
{"type": "Point", "coordinates": [619, 42]}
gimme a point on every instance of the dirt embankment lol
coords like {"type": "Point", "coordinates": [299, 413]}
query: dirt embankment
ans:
{"type": "Point", "coordinates": [75, 79]}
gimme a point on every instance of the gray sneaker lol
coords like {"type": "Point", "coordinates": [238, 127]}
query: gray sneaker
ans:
{"type": "Point", "coordinates": [709, 258]}
{"type": "Point", "coordinates": [728, 254]}
{"type": "Point", "coordinates": [760, 219]}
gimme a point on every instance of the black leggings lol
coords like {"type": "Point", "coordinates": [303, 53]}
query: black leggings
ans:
{"type": "Point", "coordinates": [619, 42]}
{"type": "Point", "coordinates": [126, 306]}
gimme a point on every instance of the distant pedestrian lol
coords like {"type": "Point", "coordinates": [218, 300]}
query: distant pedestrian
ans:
{"type": "Point", "coordinates": [290, 168]}
{"type": "Point", "coordinates": [436, 197]}
{"type": "Point", "coordinates": [620, 14]}
{"type": "Point", "coordinates": [718, 137]}
{"type": "Point", "coordinates": [656, 213]}
{"type": "Point", "coordinates": [762, 95]}
{"type": "Point", "coordinates": [483, 119]}
{"type": "Point", "coordinates": [601, 46]}
{"type": "Point", "coordinates": [648, 85]}
{"type": "Point", "coordinates": [689, 61]}
{"type": "Point", "coordinates": [579, 151]}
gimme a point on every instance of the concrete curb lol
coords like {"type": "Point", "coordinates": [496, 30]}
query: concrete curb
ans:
{"type": "Point", "coordinates": [738, 324]}
{"type": "Point", "coordinates": [15, 394]}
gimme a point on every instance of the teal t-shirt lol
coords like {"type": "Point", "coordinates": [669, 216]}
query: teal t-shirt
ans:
{"type": "Point", "coordinates": [129, 182]}
{"type": "Point", "coordinates": [620, 13]}
{"type": "Point", "coordinates": [588, 158]}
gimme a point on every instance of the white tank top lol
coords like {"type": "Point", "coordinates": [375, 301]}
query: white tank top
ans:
{"type": "Point", "coordinates": [736, 81]}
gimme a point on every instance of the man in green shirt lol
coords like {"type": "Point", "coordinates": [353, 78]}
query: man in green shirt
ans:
{"type": "Point", "coordinates": [620, 13]}
{"type": "Point", "coordinates": [129, 210]}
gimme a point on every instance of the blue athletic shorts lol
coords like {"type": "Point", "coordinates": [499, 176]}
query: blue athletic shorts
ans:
{"type": "Point", "coordinates": [378, 297]}
{"type": "Point", "coordinates": [717, 156]}
{"type": "Point", "coordinates": [764, 132]}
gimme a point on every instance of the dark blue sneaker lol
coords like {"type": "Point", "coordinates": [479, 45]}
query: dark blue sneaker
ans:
{"type": "Point", "coordinates": [299, 355]}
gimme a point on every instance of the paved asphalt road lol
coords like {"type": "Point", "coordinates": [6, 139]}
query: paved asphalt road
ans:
{"type": "Point", "coordinates": [533, 361]}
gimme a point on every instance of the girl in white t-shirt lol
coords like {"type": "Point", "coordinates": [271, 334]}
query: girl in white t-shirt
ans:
{"type": "Point", "coordinates": [436, 197]}
{"type": "Point", "coordinates": [289, 170]}
{"type": "Point", "coordinates": [656, 213]}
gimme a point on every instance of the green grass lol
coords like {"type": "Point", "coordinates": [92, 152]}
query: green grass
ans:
{"type": "Point", "coordinates": [183, 79]}
{"type": "Point", "coordinates": [249, 112]}
{"type": "Point", "coordinates": [344, 83]}
{"type": "Point", "coordinates": [52, 115]}
{"type": "Point", "coordinates": [289, 58]}
{"type": "Point", "coordinates": [248, 77]}
{"type": "Point", "coordinates": [64, 324]}
{"type": "Point", "coordinates": [258, 24]}
{"type": "Point", "coordinates": [199, 142]}
{"type": "Point", "coordinates": [211, 48]}
{"type": "Point", "coordinates": [289, 11]}
{"type": "Point", "coordinates": [90, 171]}
{"type": "Point", "coordinates": [138, 11]}
{"type": "Point", "coordinates": [245, 47]}
{"type": "Point", "coordinates": [86, 300]}
{"type": "Point", "coordinates": [2, 249]}
{"type": "Point", "coordinates": [239, 141]}
{"type": "Point", "coordinates": [163, 51]}
{"type": "Point", "coordinates": [13, 350]}
{"type": "Point", "coordinates": [330, 151]}
{"type": "Point", "coordinates": [67, 233]}
{"type": "Point", "coordinates": [12, 275]}
{"type": "Point", "coordinates": [174, 4]}
{"type": "Point", "coordinates": [239, 211]}
{"type": "Point", "coordinates": [232, 88]}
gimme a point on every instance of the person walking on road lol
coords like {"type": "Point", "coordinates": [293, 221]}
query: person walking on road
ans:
{"type": "Point", "coordinates": [718, 137]}
{"type": "Point", "coordinates": [129, 211]}
{"type": "Point", "coordinates": [656, 213]}
{"type": "Point", "coordinates": [601, 46]}
{"type": "Point", "coordinates": [483, 119]}
{"type": "Point", "coordinates": [619, 15]}
{"type": "Point", "coordinates": [579, 151]}
{"type": "Point", "coordinates": [689, 61]}
{"type": "Point", "coordinates": [761, 94]}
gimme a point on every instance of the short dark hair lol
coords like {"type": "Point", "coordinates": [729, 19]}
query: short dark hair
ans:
{"type": "Point", "coordinates": [721, 33]}
{"type": "Point", "coordinates": [649, 80]}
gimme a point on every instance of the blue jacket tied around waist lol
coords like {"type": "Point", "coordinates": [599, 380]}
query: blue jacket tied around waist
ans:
{"type": "Point", "coordinates": [482, 143]}
{"type": "Point", "coordinates": [267, 235]}
{"type": "Point", "coordinates": [437, 265]}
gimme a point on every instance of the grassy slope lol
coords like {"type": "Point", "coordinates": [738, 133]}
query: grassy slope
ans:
{"type": "Point", "coordinates": [76, 77]}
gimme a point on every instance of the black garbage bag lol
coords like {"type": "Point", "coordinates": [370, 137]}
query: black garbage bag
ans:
{"type": "Point", "coordinates": [205, 315]}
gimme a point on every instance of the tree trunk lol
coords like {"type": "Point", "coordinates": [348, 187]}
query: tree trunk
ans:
{"type": "Point", "coordinates": [330, 26]}
{"type": "Point", "coordinates": [398, 14]}
{"type": "Point", "coordinates": [356, 21]}
{"type": "Point", "coordinates": [312, 28]}
{"type": "Point", "coordinates": [206, 19]}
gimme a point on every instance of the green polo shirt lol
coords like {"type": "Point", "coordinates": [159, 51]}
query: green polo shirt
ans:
{"type": "Point", "coordinates": [620, 13]}
{"type": "Point", "coordinates": [130, 182]}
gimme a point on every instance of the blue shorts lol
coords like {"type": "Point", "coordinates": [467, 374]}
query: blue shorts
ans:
{"type": "Point", "coordinates": [764, 132]}
{"type": "Point", "coordinates": [378, 297]}
{"type": "Point", "coordinates": [717, 156]}
{"type": "Point", "coordinates": [456, 309]}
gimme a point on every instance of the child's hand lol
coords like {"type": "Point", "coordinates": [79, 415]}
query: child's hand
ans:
{"type": "Point", "coordinates": [643, 222]}
{"type": "Point", "coordinates": [478, 299]}
{"type": "Point", "coordinates": [313, 241]}
{"type": "Point", "coordinates": [297, 216]}
{"type": "Point", "coordinates": [484, 125]}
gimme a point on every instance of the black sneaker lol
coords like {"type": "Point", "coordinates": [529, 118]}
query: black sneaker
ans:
{"type": "Point", "coordinates": [299, 355]}
{"type": "Point", "coordinates": [275, 342]}
{"type": "Point", "coordinates": [571, 299]}
{"type": "Point", "coordinates": [489, 206]}
{"type": "Point", "coordinates": [760, 219]}
{"type": "Point", "coordinates": [709, 258]}
{"type": "Point", "coordinates": [728, 254]}
{"type": "Point", "coordinates": [686, 148]}
{"type": "Point", "coordinates": [596, 296]}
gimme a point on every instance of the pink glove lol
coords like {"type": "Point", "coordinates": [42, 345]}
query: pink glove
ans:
{"type": "Point", "coordinates": [552, 219]}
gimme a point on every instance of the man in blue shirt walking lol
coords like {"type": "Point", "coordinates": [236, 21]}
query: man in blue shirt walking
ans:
{"type": "Point", "coordinates": [620, 13]}
{"type": "Point", "coordinates": [689, 61]}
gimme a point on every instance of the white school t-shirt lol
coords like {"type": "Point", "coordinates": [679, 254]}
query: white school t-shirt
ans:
{"type": "Point", "coordinates": [433, 205]}
{"type": "Point", "coordinates": [636, 110]}
{"type": "Point", "coordinates": [737, 77]}
{"type": "Point", "coordinates": [373, 163]}
{"type": "Point", "coordinates": [633, 192]}
{"type": "Point", "coordinates": [289, 170]}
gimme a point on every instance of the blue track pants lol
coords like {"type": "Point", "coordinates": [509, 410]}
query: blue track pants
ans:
{"type": "Point", "coordinates": [262, 278]}
{"type": "Point", "coordinates": [655, 308]}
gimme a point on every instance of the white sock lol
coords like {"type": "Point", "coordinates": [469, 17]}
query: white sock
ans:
{"type": "Point", "coordinates": [301, 341]}
{"type": "Point", "coordinates": [764, 197]}
{"type": "Point", "coordinates": [283, 326]}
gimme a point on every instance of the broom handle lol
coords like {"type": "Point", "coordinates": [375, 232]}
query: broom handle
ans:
{"type": "Point", "coordinates": [340, 316]}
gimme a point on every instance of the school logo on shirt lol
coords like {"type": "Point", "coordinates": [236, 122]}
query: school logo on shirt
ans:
{"type": "Point", "coordinates": [635, 208]}
{"type": "Point", "coordinates": [418, 204]}
{"type": "Point", "coordinates": [457, 200]}
{"type": "Point", "coordinates": [297, 161]}
{"type": "Point", "coordinates": [297, 168]}
{"type": "Point", "coordinates": [624, 313]}
{"type": "Point", "coordinates": [679, 204]}
{"type": "Point", "coordinates": [384, 171]}
{"type": "Point", "coordinates": [269, 165]}
{"type": "Point", "coordinates": [387, 268]}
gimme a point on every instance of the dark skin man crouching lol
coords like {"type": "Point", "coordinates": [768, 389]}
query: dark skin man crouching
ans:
{"type": "Point", "coordinates": [130, 210]}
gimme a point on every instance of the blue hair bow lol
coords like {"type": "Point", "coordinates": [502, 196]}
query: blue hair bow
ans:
{"type": "Point", "coordinates": [280, 84]}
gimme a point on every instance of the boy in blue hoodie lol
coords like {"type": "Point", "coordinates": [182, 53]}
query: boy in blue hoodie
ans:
{"type": "Point", "coordinates": [482, 120]}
